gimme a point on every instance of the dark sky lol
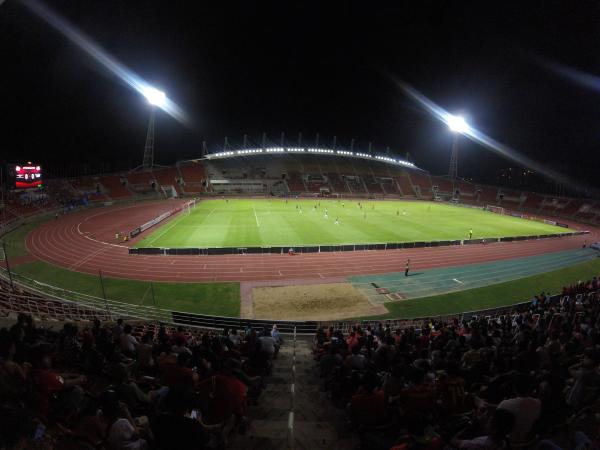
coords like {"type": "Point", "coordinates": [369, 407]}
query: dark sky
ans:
{"type": "Point", "coordinates": [305, 66]}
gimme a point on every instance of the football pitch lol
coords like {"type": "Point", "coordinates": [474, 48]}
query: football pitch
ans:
{"type": "Point", "coordinates": [292, 222]}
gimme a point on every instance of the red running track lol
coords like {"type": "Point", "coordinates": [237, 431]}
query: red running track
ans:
{"type": "Point", "coordinates": [84, 242]}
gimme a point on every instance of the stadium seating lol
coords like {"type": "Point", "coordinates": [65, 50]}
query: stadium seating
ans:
{"type": "Point", "coordinates": [487, 195]}
{"type": "Point", "coordinates": [337, 183]}
{"type": "Point", "coordinates": [295, 182]}
{"type": "Point", "coordinates": [532, 202]}
{"type": "Point", "coordinates": [114, 187]}
{"type": "Point", "coordinates": [355, 183]}
{"type": "Point", "coordinates": [422, 183]}
{"type": "Point", "coordinates": [168, 177]}
{"type": "Point", "coordinates": [444, 186]}
{"type": "Point", "coordinates": [373, 185]}
{"type": "Point", "coordinates": [389, 186]}
{"type": "Point", "coordinates": [571, 207]}
{"type": "Point", "coordinates": [510, 199]}
{"type": "Point", "coordinates": [405, 184]}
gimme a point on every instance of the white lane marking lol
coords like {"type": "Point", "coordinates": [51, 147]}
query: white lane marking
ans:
{"type": "Point", "coordinates": [86, 258]}
{"type": "Point", "coordinates": [167, 228]}
{"type": "Point", "coordinates": [256, 217]}
{"type": "Point", "coordinates": [458, 281]}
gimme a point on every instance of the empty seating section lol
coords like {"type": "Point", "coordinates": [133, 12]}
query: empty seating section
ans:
{"type": "Point", "coordinates": [168, 177]}
{"type": "Point", "coordinates": [443, 184]}
{"type": "Point", "coordinates": [422, 181]}
{"type": "Point", "coordinates": [19, 301]}
{"type": "Point", "coordinates": [373, 185]}
{"type": "Point", "coordinates": [549, 206]}
{"type": "Point", "coordinates": [389, 186]}
{"type": "Point", "coordinates": [337, 183]}
{"type": "Point", "coordinates": [141, 181]}
{"type": "Point", "coordinates": [193, 176]}
{"type": "Point", "coordinates": [192, 173]}
{"type": "Point", "coordinates": [114, 187]}
{"type": "Point", "coordinates": [510, 198]}
{"type": "Point", "coordinates": [316, 183]}
{"type": "Point", "coordinates": [487, 195]}
{"type": "Point", "coordinates": [572, 207]}
{"type": "Point", "coordinates": [465, 187]}
{"type": "Point", "coordinates": [532, 201]}
{"type": "Point", "coordinates": [295, 183]}
{"type": "Point", "coordinates": [355, 184]}
{"type": "Point", "coordinates": [405, 184]}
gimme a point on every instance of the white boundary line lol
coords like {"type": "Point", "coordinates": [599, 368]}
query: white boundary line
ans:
{"type": "Point", "coordinates": [256, 217]}
{"type": "Point", "coordinates": [163, 231]}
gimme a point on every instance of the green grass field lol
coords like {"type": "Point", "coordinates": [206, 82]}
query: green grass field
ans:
{"type": "Point", "coordinates": [221, 299]}
{"type": "Point", "coordinates": [277, 222]}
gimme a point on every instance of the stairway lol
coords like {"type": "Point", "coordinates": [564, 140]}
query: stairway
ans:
{"type": "Point", "coordinates": [314, 424]}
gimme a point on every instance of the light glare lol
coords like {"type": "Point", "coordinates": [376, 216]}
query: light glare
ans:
{"type": "Point", "coordinates": [155, 97]}
{"type": "Point", "coordinates": [457, 124]}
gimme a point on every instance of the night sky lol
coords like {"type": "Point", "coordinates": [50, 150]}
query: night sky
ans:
{"type": "Point", "coordinates": [324, 67]}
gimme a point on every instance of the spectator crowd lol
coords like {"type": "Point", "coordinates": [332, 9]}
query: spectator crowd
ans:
{"type": "Point", "coordinates": [127, 386]}
{"type": "Point", "coordinates": [521, 380]}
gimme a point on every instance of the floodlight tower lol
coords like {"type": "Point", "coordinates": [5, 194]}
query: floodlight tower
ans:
{"type": "Point", "coordinates": [458, 126]}
{"type": "Point", "coordinates": [155, 98]}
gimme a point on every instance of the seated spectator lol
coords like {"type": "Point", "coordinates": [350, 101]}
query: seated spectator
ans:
{"type": "Point", "coordinates": [179, 374]}
{"type": "Point", "coordinates": [61, 393]}
{"type": "Point", "coordinates": [222, 397]}
{"type": "Point", "coordinates": [525, 409]}
{"type": "Point", "coordinates": [145, 353]}
{"type": "Point", "coordinates": [267, 344]}
{"type": "Point", "coordinates": [121, 431]}
{"type": "Point", "coordinates": [180, 345]}
{"type": "Point", "coordinates": [128, 343]}
{"type": "Point", "coordinates": [356, 360]}
{"type": "Point", "coordinates": [234, 337]}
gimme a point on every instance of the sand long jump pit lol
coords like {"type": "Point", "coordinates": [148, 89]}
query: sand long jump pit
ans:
{"type": "Point", "coordinates": [328, 301]}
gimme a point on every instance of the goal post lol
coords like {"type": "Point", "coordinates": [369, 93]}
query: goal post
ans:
{"type": "Point", "coordinates": [495, 209]}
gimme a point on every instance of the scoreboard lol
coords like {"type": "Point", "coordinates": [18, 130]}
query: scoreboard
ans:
{"type": "Point", "coordinates": [28, 176]}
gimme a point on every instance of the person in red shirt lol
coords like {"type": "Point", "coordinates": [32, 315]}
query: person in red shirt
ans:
{"type": "Point", "coordinates": [223, 396]}
{"type": "Point", "coordinates": [60, 393]}
{"type": "Point", "coordinates": [179, 375]}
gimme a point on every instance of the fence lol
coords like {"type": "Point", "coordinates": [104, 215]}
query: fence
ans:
{"type": "Point", "coordinates": [279, 250]}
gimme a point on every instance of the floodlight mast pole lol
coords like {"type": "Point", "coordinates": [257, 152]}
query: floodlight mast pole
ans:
{"type": "Point", "coordinates": [148, 161]}
{"type": "Point", "coordinates": [453, 169]}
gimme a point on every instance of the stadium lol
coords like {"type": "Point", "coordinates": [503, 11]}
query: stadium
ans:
{"type": "Point", "coordinates": [266, 228]}
{"type": "Point", "coordinates": [292, 293]}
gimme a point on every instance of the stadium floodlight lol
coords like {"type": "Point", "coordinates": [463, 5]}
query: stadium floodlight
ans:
{"type": "Point", "coordinates": [154, 96]}
{"type": "Point", "coordinates": [457, 124]}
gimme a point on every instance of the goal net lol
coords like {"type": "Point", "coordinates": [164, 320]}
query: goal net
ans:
{"type": "Point", "coordinates": [495, 209]}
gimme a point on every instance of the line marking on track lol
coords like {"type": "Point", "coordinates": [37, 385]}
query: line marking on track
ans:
{"type": "Point", "coordinates": [458, 281]}
{"type": "Point", "coordinates": [86, 258]}
{"type": "Point", "coordinates": [96, 240]}
{"type": "Point", "coordinates": [256, 217]}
